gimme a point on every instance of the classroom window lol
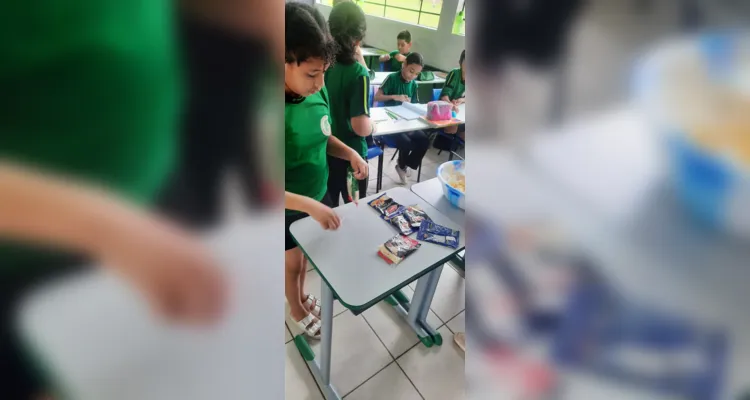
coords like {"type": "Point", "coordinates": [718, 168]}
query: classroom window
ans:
{"type": "Point", "coordinates": [418, 12]}
{"type": "Point", "coordinates": [459, 24]}
{"type": "Point", "coordinates": [326, 2]}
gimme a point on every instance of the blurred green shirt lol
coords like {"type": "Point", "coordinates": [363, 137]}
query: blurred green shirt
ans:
{"type": "Point", "coordinates": [89, 90]}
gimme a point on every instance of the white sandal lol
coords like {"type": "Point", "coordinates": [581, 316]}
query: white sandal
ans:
{"type": "Point", "coordinates": [309, 326]}
{"type": "Point", "coordinates": [313, 303]}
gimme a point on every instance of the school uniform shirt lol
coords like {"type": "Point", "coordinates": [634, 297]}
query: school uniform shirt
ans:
{"type": "Point", "coordinates": [349, 90]}
{"type": "Point", "coordinates": [395, 84]}
{"type": "Point", "coordinates": [455, 86]}
{"type": "Point", "coordinates": [393, 64]}
{"type": "Point", "coordinates": [307, 127]}
{"type": "Point", "coordinates": [93, 95]}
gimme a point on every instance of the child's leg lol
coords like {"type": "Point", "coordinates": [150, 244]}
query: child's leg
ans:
{"type": "Point", "coordinates": [293, 263]}
{"type": "Point", "coordinates": [403, 144]}
{"type": "Point", "coordinates": [420, 142]}
{"type": "Point", "coordinates": [302, 275]}
{"type": "Point", "coordinates": [337, 180]}
{"type": "Point", "coordinates": [451, 129]}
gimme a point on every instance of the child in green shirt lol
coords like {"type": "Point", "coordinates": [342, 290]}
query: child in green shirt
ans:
{"type": "Point", "coordinates": [397, 88]}
{"type": "Point", "coordinates": [308, 139]}
{"type": "Point", "coordinates": [397, 57]}
{"type": "Point", "coordinates": [454, 92]}
{"type": "Point", "coordinates": [348, 84]}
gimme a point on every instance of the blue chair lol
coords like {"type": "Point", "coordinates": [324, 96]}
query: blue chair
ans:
{"type": "Point", "coordinates": [436, 94]}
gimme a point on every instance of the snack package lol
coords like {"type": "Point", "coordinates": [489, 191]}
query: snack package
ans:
{"type": "Point", "coordinates": [415, 215]}
{"type": "Point", "coordinates": [352, 187]}
{"type": "Point", "coordinates": [385, 205]}
{"type": "Point", "coordinates": [401, 223]}
{"type": "Point", "coordinates": [438, 234]}
{"type": "Point", "coordinates": [397, 248]}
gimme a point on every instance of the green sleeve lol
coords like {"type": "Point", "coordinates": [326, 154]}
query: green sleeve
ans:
{"type": "Point", "coordinates": [386, 85]}
{"type": "Point", "coordinates": [360, 97]}
{"type": "Point", "coordinates": [393, 53]}
{"type": "Point", "coordinates": [450, 85]}
{"type": "Point", "coordinates": [414, 92]}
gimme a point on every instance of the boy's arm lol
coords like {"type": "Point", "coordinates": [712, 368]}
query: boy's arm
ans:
{"type": "Point", "coordinates": [170, 267]}
{"type": "Point", "coordinates": [381, 96]}
{"type": "Point", "coordinates": [320, 212]}
{"type": "Point", "coordinates": [338, 149]}
{"type": "Point", "coordinates": [448, 89]}
{"type": "Point", "coordinates": [298, 202]}
{"type": "Point", "coordinates": [359, 108]}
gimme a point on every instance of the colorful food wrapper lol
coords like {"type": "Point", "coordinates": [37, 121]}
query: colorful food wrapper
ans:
{"type": "Point", "coordinates": [401, 223]}
{"type": "Point", "coordinates": [397, 248]}
{"type": "Point", "coordinates": [438, 234]}
{"type": "Point", "coordinates": [385, 205]}
{"type": "Point", "coordinates": [416, 215]}
{"type": "Point", "coordinates": [352, 186]}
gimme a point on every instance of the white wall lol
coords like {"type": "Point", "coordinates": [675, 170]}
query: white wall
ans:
{"type": "Point", "coordinates": [440, 48]}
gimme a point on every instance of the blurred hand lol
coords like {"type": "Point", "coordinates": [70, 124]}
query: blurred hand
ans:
{"type": "Point", "coordinates": [360, 167]}
{"type": "Point", "coordinates": [172, 269]}
{"type": "Point", "coordinates": [386, 57]}
{"type": "Point", "coordinates": [403, 98]}
{"type": "Point", "coordinates": [400, 57]}
{"type": "Point", "coordinates": [326, 217]}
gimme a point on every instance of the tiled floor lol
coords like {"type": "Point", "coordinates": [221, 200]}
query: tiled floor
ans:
{"type": "Point", "coordinates": [430, 163]}
{"type": "Point", "coordinates": [377, 356]}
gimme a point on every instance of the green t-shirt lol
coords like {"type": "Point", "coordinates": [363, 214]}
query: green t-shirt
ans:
{"type": "Point", "coordinates": [393, 64]}
{"type": "Point", "coordinates": [306, 132]}
{"type": "Point", "coordinates": [395, 84]}
{"type": "Point", "coordinates": [90, 89]}
{"type": "Point", "coordinates": [455, 87]}
{"type": "Point", "coordinates": [349, 90]}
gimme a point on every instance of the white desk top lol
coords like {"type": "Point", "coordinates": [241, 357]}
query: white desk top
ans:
{"type": "Point", "coordinates": [380, 78]}
{"type": "Point", "coordinates": [461, 114]}
{"type": "Point", "coordinates": [98, 340]}
{"type": "Point", "coordinates": [605, 182]}
{"type": "Point", "coordinates": [391, 127]}
{"type": "Point", "coordinates": [347, 258]}
{"type": "Point", "coordinates": [431, 192]}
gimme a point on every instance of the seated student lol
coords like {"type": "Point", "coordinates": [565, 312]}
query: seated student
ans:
{"type": "Point", "coordinates": [454, 92]}
{"type": "Point", "coordinates": [397, 57]}
{"type": "Point", "coordinates": [397, 88]}
{"type": "Point", "coordinates": [310, 49]}
{"type": "Point", "coordinates": [348, 84]}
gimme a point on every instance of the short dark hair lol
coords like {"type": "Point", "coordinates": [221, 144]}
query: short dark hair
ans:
{"type": "Point", "coordinates": [307, 34]}
{"type": "Point", "coordinates": [348, 25]}
{"type": "Point", "coordinates": [463, 56]}
{"type": "Point", "coordinates": [415, 58]}
{"type": "Point", "coordinates": [405, 36]}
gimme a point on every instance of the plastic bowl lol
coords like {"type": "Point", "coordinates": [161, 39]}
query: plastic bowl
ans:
{"type": "Point", "coordinates": [713, 188]}
{"type": "Point", "coordinates": [456, 197]}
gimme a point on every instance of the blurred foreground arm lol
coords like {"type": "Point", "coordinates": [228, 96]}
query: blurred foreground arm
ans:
{"type": "Point", "coordinates": [168, 266]}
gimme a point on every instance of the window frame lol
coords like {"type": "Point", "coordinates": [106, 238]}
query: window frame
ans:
{"type": "Point", "coordinates": [385, 6]}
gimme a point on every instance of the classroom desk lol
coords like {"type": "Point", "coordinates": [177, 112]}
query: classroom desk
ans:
{"type": "Point", "coordinates": [95, 337]}
{"type": "Point", "coordinates": [380, 77]}
{"type": "Point", "coordinates": [605, 181]}
{"type": "Point", "coordinates": [461, 114]}
{"type": "Point", "coordinates": [372, 52]}
{"type": "Point", "coordinates": [368, 280]}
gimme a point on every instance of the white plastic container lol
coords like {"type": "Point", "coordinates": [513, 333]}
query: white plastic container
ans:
{"type": "Point", "coordinates": [444, 173]}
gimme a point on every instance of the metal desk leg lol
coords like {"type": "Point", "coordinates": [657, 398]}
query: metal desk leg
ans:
{"type": "Point", "coordinates": [415, 312]}
{"type": "Point", "coordinates": [380, 169]}
{"type": "Point", "coordinates": [322, 371]}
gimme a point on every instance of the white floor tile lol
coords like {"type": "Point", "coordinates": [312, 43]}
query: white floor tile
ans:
{"type": "Point", "coordinates": [357, 353]}
{"type": "Point", "coordinates": [299, 383]}
{"type": "Point", "coordinates": [458, 323]}
{"type": "Point", "coordinates": [390, 383]}
{"type": "Point", "coordinates": [449, 296]}
{"type": "Point", "coordinates": [392, 329]}
{"type": "Point", "coordinates": [287, 335]}
{"type": "Point", "coordinates": [438, 371]}
{"type": "Point", "coordinates": [312, 286]}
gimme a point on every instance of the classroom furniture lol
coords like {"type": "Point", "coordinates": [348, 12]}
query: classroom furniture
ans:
{"type": "Point", "coordinates": [361, 284]}
{"type": "Point", "coordinates": [380, 77]}
{"type": "Point", "coordinates": [604, 182]}
{"type": "Point", "coordinates": [431, 192]}
{"type": "Point", "coordinates": [94, 337]}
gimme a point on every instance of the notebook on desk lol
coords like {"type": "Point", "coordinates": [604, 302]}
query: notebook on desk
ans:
{"type": "Point", "coordinates": [405, 112]}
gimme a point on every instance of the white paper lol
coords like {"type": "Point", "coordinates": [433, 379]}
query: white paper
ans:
{"type": "Point", "coordinates": [404, 112]}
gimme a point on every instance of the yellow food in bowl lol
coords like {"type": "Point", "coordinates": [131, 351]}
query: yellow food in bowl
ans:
{"type": "Point", "coordinates": [458, 182]}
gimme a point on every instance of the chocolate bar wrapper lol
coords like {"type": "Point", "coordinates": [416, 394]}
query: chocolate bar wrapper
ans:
{"type": "Point", "coordinates": [381, 203]}
{"type": "Point", "coordinates": [397, 248]}
{"type": "Point", "coordinates": [416, 215]}
{"type": "Point", "coordinates": [401, 223]}
{"type": "Point", "coordinates": [438, 234]}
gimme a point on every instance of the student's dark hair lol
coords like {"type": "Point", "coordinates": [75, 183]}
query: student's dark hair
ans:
{"type": "Point", "coordinates": [462, 58]}
{"type": "Point", "coordinates": [415, 58]}
{"type": "Point", "coordinates": [348, 25]}
{"type": "Point", "coordinates": [307, 34]}
{"type": "Point", "coordinates": [405, 36]}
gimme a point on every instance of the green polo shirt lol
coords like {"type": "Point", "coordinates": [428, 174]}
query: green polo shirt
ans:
{"type": "Point", "coordinates": [306, 131]}
{"type": "Point", "coordinates": [455, 87]}
{"type": "Point", "coordinates": [349, 90]}
{"type": "Point", "coordinates": [89, 90]}
{"type": "Point", "coordinates": [393, 64]}
{"type": "Point", "coordinates": [395, 84]}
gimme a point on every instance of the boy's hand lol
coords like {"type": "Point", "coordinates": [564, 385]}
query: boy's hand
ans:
{"type": "Point", "coordinates": [175, 272]}
{"type": "Point", "coordinates": [400, 58]}
{"type": "Point", "coordinates": [325, 215]}
{"type": "Point", "coordinates": [360, 166]}
{"type": "Point", "coordinates": [402, 98]}
{"type": "Point", "coordinates": [385, 57]}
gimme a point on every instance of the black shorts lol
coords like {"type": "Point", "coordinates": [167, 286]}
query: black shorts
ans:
{"type": "Point", "coordinates": [21, 378]}
{"type": "Point", "coordinates": [289, 219]}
